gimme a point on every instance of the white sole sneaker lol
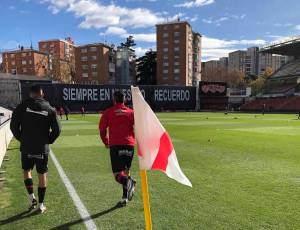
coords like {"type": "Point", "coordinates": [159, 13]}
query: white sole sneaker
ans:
{"type": "Point", "coordinates": [42, 209]}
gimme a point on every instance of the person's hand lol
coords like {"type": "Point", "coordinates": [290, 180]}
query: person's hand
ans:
{"type": "Point", "coordinates": [106, 146]}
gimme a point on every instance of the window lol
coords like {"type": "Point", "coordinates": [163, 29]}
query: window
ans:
{"type": "Point", "coordinates": [165, 57]}
{"type": "Point", "coordinates": [165, 64]}
{"type": "Point", "coordinates": [165, 49]}
{"type": "Point", "coordinates": [13, 62]}
{"type": "Point", "coordinates": [176, 48]}
{"type": "Point", "coordinates": [24, 54]}
{"type": "Point", "coordinates": [30, 62]}
{"type": "Point", "coordinates": [94, 67]}
{"type": "Point", "coordinates": [84, 58]}
{"type": "Point", "coordinates": [176, 56]}
{"type": "Point", "coordinates": [23, 62]}
{"type": "Point", "coordinates": [166, 42]}
{"type": "Point", "coordinates": [51, 45]}
{"type": "Point", "coordinates": [176, 41]}
{"type": "Point", "coordinates": [85, 67]}
{"type": "Point", "coordinates": [176, 34]}
{"type": "Point", "coordinates": [176, 63]}
{"type": "Point", "coordinates": [12, 55]}
{"type": "Point", "coordinates": [93, 58]}
{"type": "Point", "coordinates": [165, 71]}
{"type": "Point", "coordinates": [165, 77]}
{"type": "Point", "coordinates": [83, 51]}
{"type": "Point", "coordinates": [176, 70]}
{"type": "Point", "coordinates": [44, 46]}
{"type": "Point", "coordinates": [165, 35]}
{"type": "Point", "coordinates": [94, 74]}
{"type": "Point", "coordinates": [85, 75]}
{"type": "Point", "coordinates": [93, 49]}
{"type": "Point", "coordinates": [165, 27]}
{"type": "Point", "coordinates": [13, 71]}
{"type": "Point", "coordinates": [176, 26]}
{"type": "Point", "coordinates": [24, 70]}
{"type": "Point", "coordinates": [176, 77]}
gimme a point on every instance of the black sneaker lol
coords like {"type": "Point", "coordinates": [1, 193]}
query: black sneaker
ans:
{"type": "Point", "coordinates": [33, 204]}
{"type": "Point", "coordinates": [124, 201]}
{"type": "Point", "coordinates": [130, 188]}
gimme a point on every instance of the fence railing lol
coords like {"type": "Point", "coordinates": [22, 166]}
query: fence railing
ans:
{"type": "Point", "coordinates": [5, 137]}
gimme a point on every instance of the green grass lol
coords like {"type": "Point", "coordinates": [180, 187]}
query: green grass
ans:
{"type": "Point", "coordinates": [245, 171]}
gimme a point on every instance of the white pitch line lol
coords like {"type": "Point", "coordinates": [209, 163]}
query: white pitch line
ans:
{"type": "Point", "coordinates": [85, 216]}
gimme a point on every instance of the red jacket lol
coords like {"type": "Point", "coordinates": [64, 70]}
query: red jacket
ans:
{"type": "Point", "coordinates": [119, 120]}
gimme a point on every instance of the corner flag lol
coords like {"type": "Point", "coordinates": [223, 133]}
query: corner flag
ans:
{"type": "Point", "coordinates": [155, 148]}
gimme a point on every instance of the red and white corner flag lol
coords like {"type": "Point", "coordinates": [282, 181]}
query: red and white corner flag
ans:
{"type": "Point", "coordinates": [155, 148]}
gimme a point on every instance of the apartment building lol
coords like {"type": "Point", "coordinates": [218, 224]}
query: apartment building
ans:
{"type": "Point", "coordinates": [61, 58]}
{"type": "Point", "coordinates": [236, 60]}
{"type": "Point", "coordinates": [95, 64]}
{"type": "Point", "coordinates": [178, 54]}
{"type": "Point", "coordinates": [25, 61]}
{"type": "Point", "coordinates": [251, 61]}
{"type": "Point", "coordinates": [271, 61]}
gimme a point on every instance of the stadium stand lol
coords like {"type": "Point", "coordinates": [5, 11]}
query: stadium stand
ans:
{"type": "Point", "coordinates": [281, 92]}
{"type": "Point", "coordinates": [290, 69]}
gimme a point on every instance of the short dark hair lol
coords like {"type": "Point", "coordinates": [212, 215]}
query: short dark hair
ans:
{"type": "Point", "coordinates": [36, 89]}
{"type": "Point", "coordinates": [119, 96]}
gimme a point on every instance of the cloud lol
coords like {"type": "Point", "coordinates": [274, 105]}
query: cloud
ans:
{"type": "Point", "coordinates": [114, 30]}
{"type": "Point", "coordinates": [195, 3]}
{"type": "Point", "coordinates": [283, 24]}
{"type": "Point", "coordinates": [195, 18]}
{"type": "Point", "coordinates": [213, 48]}
{"type": "Point", "coordinates": [216, 21]}
{"type": "Point", "coordinates": [96, 15]}
{"type": "Point", "coordinates": [297, 27]}
{"type": "Point", "coordinates": [144, 37]}
{"type": "Point", "coordinates": [224, 18]}
{"type": "Point", "coordinates": [140, 51]}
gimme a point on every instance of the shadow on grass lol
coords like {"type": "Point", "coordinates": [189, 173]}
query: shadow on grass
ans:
{"type": "Point", "coordinates": [19, 216]}
{"type": "Point", "coordinates": [94, 216]}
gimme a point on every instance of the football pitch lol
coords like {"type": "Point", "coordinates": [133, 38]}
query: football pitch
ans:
{"type": "Point", "coordinates": [245, 171]}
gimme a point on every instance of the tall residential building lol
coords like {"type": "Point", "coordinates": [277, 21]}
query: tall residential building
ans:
{"type": "Point", "coordinates": [251, 61]}
{"type": "Point", "coordinates": [224, 62]}
{"type": "Point", "coordinates": [125, 66]}
{"type": "Point", "coordinates": [95, 64]}
{"type": "Point", "coordinates": [178, 54]}
{"type": "Point", "coordinates": [25, 61]}
{"type": "Point", "coordinates": [274, 62]}
{"type": "Point", "coordinates": [236, 60]}
{"type": "Point", "coordinates": [61, 58]}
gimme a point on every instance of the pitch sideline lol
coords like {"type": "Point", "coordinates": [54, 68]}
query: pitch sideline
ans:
{"type": "Point", "coordinates": [85, 216]}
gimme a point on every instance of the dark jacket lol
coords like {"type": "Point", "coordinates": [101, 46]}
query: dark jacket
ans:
{"type": "Point", "coordinates": [35, 124]}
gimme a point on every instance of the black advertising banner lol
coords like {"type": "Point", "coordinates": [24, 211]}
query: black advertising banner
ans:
{"type": "Point", "coordinates": [212, 89]}
{"type": "Point", "coordinates": [99, 97]}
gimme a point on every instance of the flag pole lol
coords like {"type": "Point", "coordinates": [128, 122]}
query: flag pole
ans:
{"type": "Point", "coordinates": [145, 192]}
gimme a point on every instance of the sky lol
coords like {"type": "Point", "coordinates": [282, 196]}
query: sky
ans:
{"type": "Point", "coordinates": [226, 25]}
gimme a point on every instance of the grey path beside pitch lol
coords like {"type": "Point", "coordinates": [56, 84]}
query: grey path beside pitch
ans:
{"type": "Point", "coordinates": [85, 216]}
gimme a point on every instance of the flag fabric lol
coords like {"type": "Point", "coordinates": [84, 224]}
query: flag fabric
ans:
{"type": "Point", "coordinates": [155, 148]}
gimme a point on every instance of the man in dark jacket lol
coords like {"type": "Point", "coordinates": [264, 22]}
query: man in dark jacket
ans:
{"type": "Point", "coordinates": [34, 123]}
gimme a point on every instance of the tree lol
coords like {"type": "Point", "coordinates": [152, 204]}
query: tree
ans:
{"type": "Point", "coordinates": [233, 78]}
{"type": "Point", "coordinates": [257, 85]}
{"type": "Point", "coordinates": [146, 68]}
{"type": "Point", "coordinates": [129, 42]}
{"type": "Point", "coordinates": [268, 72]}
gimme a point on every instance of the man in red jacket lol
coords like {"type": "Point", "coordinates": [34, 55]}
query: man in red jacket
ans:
{"type": "Point", "coordinates": [119, 121]}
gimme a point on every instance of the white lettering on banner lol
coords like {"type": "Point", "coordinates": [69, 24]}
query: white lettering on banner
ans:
{"type": "Point", "coordinates": [171, 95]}
{"type": "Point", "coordinates": [94, 94]}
